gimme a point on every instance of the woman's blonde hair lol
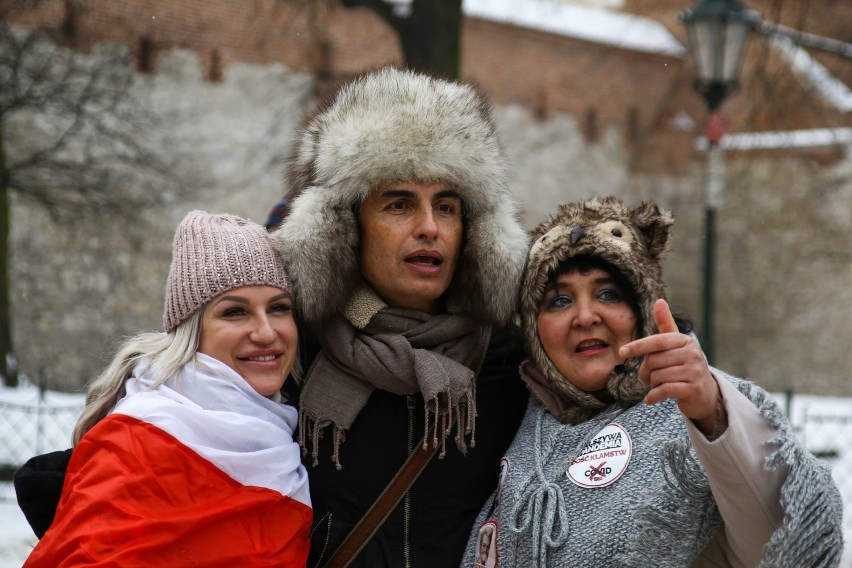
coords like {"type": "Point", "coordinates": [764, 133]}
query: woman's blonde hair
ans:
{"type": "Point", "coordinates": [166, 354]}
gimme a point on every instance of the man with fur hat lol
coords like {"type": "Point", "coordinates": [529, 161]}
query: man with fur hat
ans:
{"type": "Point", "coordinates": [403, 243]}
{"type": "Point", "coordinates": [633, 451]}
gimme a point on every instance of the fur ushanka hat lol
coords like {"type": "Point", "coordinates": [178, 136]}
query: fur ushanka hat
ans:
{"type": "Point", "coordinates": [631, 240]}
{"type": "Point", "coordinates": [393, 125]}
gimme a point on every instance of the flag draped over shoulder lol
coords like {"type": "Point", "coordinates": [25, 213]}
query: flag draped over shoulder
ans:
{"type": "Point", "coordinates": [202, 471]}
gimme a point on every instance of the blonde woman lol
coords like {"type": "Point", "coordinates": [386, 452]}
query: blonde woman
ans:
{"type": "Point", "coordinates": [184, 454]}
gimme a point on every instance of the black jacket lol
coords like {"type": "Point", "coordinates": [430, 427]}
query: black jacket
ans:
{"type": "Point", "coordinates": [431, 525]}
{"type": "Point", "coordinates": [38, 486]}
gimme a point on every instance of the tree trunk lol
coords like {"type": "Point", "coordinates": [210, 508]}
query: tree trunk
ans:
{"type": "Point", "coordinates": [430, 35]}
{"type": "Point", "coordinates": [9, 372]}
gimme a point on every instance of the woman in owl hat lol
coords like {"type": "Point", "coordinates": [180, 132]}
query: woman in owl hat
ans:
{"type": "Point", "coordinates": [184, 454]}
{"type": "Point", "coordinates": [633, 451]}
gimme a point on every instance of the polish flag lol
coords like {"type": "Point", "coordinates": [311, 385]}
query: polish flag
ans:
{"type": "Point", "coordinates": [202, 471]}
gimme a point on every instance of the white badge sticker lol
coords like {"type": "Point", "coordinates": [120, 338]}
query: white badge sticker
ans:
{"type": "Point", "coordinates": [604, 459]}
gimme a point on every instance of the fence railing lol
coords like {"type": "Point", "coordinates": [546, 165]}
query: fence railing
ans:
{"type": "Point", "coordinates": [828, 437]}
{"type": "Point", "coordinates": [26, 430]}
{"type": "Point", "coordinates": [29, 430]}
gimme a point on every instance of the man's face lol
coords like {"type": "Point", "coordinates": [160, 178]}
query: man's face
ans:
{"type": "Point", "coordinates": [411, 237]}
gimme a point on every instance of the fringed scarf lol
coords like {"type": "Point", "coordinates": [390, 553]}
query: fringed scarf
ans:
{"type": "Point", "coordinates": [371, 346]}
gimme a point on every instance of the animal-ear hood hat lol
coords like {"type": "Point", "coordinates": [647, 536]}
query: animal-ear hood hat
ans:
{"type": "Point", "coordinates": [631, 240]}
{"type": "Point", "coordinates": [394, 125]}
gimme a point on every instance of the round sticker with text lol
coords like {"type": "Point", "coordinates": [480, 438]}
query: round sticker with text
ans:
{"type": "Point", "coordinates": [604, 459]}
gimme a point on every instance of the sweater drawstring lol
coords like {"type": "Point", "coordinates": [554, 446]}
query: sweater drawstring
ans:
{"type": "Point", "coordinates": [542, 506]}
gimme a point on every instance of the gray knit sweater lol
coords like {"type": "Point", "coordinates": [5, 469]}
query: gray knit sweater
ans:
{"type": "Point", "coordinates": [656, 509]}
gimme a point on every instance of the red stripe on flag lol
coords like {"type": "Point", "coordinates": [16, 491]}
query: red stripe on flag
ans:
{"type": "Point", "coordinates": [135, 496]}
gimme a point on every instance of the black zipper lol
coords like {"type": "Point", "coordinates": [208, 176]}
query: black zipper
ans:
{"type": "Point", "coordinates": [406, 507]}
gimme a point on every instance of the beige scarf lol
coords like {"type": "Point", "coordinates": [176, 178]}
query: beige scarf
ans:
{"type": "Point", "coordinates": [571, 405]}
{"type": "Point", "coordinates": [371, 346]}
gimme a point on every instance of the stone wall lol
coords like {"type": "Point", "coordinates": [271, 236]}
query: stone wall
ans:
{"type": "Point", "coordinates": [548, 73]}
{"type": "Point", "coordinates": [80, 283]}
{"type": "Point", "coordinates": [785, 272]}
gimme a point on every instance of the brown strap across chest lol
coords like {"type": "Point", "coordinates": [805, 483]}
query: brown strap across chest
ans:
{"type": "Point", "coordinates": [386, 502]}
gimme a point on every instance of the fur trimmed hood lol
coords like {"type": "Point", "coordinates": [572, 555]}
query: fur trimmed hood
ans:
{"type": "Point", "coordinates": [393, 125]}
{"type": "Point", "coordinates": [632, 240]}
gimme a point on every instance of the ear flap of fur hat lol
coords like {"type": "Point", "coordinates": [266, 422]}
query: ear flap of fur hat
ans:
{"type": "Point", "coordinates": [393, 125]}
{"type": "Point", "coordinates": [633, 241]}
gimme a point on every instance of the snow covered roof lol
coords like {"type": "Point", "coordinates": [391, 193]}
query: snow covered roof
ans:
{"type": "Point", "coordinates": [789, 139]}
{"type": "Point", "coordinates": [832, 89]}
{"type": "Point", "coordinates": [592, 22]}
{"type": "Point", "coordinates": [598, 25]}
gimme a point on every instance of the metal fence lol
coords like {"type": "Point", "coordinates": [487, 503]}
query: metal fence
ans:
{"type": "Point", "coordinates": [33, 429]}
{"type": "Point", "coordinates": [29, 430]}
{"type": "Point", "coordinates": [26, 430]}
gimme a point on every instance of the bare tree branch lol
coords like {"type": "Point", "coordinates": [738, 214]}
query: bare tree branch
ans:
{"type": "Point", "coordinates": [75, 132]}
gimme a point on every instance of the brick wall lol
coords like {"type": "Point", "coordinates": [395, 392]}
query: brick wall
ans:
{"type": "Point", "coordinates": [300, 34]}
{"type": "Point", "coordinates": [548, 73]}
{"type": "Point", "coordinates": [533, 68]}
{"type": "Point", "coordinates": [600, 85]}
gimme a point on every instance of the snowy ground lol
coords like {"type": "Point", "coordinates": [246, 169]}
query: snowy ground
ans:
{"type": "Point", "coordinates": [31, 424]}
{"type": "Point", "coordinates": [16, 538]}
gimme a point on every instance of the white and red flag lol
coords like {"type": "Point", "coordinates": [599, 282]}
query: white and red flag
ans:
{"type": "Point", "coordinates": [202, 471]}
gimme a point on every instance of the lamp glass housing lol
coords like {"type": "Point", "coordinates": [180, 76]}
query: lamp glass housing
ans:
{"type": "Point", "coordinates": [717, 34]}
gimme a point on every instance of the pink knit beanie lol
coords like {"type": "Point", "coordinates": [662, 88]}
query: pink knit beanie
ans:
{"type": "Point", "coordinates": [212, 254]}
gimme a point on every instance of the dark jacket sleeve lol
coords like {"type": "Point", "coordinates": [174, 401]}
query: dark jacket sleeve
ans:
{"type": "Point", "coordinates": [38, 485]}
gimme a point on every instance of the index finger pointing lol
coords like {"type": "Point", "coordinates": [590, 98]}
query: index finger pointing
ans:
{"type": "Point", "coordinates": [653, 344]}
{"type": "Point", "coordinates": [663, 317]}
{"type": "Point", "coordinates": [665, 324]}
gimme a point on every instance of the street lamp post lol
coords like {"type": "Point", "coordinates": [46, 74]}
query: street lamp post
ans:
{"type": "Point", "coordinates": [717, 33]}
